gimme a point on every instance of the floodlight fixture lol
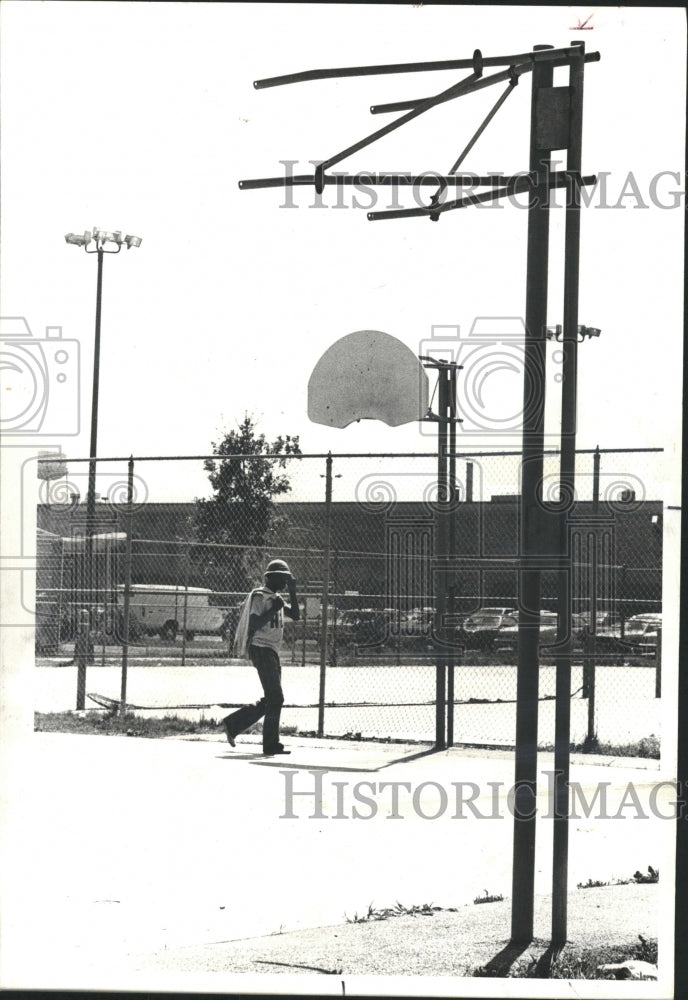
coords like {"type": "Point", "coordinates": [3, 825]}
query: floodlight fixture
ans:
{"type": "Point", "coordinates": [102, 237]}
{"type": "Point", "coordinates": [557, 332]}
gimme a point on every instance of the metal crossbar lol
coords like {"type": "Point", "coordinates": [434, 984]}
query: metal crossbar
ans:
{"type": "Point", "coordinates": [555, 56]}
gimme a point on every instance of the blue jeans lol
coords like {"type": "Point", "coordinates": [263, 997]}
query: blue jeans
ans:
{"type": "Point", "coordinates": [267, 663]}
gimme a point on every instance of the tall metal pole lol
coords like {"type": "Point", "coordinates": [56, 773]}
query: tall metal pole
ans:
{"type": "Point", "coordinates": [562, 723]}
{"type": "Point", "coordinates": [441, 536]}
{"type": "Point", "coordinates": [127, 588]}
{"type": "Point", "coordinates": [525, 776]}
{"type": "Point", "coordinates": [91, 494]}
{"type": "Point", "coordinates": [325, 594]}
{"type": "Point", "coordinates": [451, 595]}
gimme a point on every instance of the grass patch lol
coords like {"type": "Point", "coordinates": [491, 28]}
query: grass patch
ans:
{"type": "Point", "coordinates": [104, 723]}
{"type": "Point", "coordinates": [422, 910]}
{"type": "Point", "coordinates": [638, 878]}
{"type": "Point", "coordinates": [581, 963]}
{"type": "Point", "coordinates": [107, 722]}
{"type": "Point", "coordinates": [648, 746]}
{"type": "Point", "coordinates": [488, 898]}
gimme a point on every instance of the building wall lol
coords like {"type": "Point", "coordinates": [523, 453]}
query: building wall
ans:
{"type": "Point", "coordinates": [387, 552]}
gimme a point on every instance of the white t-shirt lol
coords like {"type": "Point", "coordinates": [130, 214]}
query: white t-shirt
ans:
{"type": "Point", "coordinates": [271, 633]}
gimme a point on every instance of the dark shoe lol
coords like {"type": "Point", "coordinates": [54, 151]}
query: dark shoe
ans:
{"type": "Point", "coordinates": [228, 733]}
{"type": "Point", "coordinates": [279, 749]}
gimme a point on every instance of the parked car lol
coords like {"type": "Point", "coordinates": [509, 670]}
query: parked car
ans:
{"type": "Point", "coordinates": [608, 632]}
{"type": "Point", "coordinates": [638, 635]}
{"type": "Point", "coordinates": [507, 637]}
{"type": "Point", "coordinates": [642, 632]}
{"type": "Point", "coordinates": [418, 621]}
{"type": "Point", "coordinates": [363, 627]}
{"type": "Point", "coordinates": [165, 610]}
{"type": "Point", "coordinates": [480, 629]}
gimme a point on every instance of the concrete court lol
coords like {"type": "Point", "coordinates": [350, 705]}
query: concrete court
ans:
{"type": "Point", "coordinates": [121, 847]}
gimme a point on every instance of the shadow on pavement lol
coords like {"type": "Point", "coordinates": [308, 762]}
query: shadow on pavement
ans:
{"type": "Point", "coordinates": [413, 756]}
{"type": "Point", "coordinates": [500, 965]}
{"type": "Point", "coordinates": [543, 966]}
{"type": "Point", "coordinates": [295, 965]}
{"type": "Point", "coordinates": [287, 761]}
{"type": "Point", "coordinates": [281, 763]}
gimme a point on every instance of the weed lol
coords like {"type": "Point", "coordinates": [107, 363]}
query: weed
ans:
{"type": "Point", "coordinates": [422, 910]}
{"type": "Point", "coordinates": [651, 877]}
{"type": "Point", "coordinates": [488, 898]}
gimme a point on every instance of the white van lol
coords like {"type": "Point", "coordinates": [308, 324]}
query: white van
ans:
{"type": "Point", "coordinates": [165, 609]}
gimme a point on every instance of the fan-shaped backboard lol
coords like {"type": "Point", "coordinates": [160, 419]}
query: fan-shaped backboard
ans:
{"type": "Point", "coordinates": [367, 375]}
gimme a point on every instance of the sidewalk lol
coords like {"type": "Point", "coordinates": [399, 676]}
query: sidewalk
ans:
{"type": "Point", "coordinates": [134, 860]}
{"type": "Point", "coordinates": [444, 944]}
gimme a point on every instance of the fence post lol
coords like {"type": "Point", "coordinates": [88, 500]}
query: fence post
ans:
{"type": "Point", "coordinates": [590, 663]}
{"type": "Point", "coordinates": [335, 584]}
{"type": "Point", "coordinates": [658, 665]}
{"type": "Point", "coordinates": [589, 670]}
{"type": "Point", "coordinates": [325, 594]}
{"type": "Point", "coordinates": [187, 570]}
{"type": "Point", "coordinates": [303, 636]}
{"type": "Point", "coordinates": [127, 589]}
{"type": "Point", "coordinates": [81, 648]}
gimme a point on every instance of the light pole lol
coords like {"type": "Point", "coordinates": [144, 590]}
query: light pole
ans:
{"type": "Point", "coordinates": [94, 242]}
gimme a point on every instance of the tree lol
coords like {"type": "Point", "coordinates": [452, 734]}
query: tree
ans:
{"type": "Point", "coordinates": [242, 513]}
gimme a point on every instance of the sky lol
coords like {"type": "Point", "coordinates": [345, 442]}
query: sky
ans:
{"type": "Point", "coordinates": [144, 118]}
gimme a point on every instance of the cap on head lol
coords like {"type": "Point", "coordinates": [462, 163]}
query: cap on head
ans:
{"type": "Point", "coordinates": [277, 566]}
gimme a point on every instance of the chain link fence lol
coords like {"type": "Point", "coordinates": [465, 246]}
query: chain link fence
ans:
{"type": "Point", "coordinates": [139, 582]}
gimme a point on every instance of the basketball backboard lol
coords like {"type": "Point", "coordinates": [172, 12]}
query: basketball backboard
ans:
{"type": "Point", "coordinates": [367, 375]}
